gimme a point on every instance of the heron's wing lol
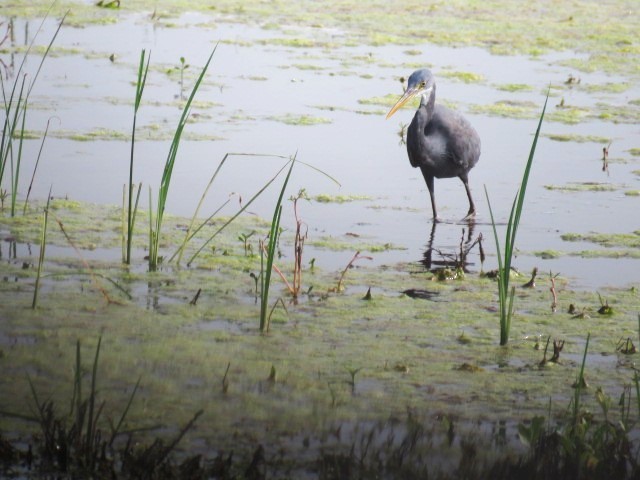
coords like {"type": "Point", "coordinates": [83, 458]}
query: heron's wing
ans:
{"type": "Point", "coordinates": [454, 138]}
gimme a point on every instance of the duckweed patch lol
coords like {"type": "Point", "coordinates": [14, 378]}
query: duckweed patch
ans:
{"type": "Point", "coordinates": [514, 87]}
{"type": "Point", "coordinates": [465, 77]}
{"type": "Point", "coordinates": [324, 198]}
{"type": "Point", "coordinates": [300, 120]}
{"type": "Point", "coordinates": [408, 354]}
{"type": "Point", "coordinates": [504, 27]}
{"type": "Point", "coordinates": [352, 244]}
{"type": "Point", "coordinates": [629, 240]}
{"type": "Point", "coordinates": [585, 187]}
{"type": "Point", "coordinates": [572, 137]}
{"type": "Point", "coordinates": [508, 109]}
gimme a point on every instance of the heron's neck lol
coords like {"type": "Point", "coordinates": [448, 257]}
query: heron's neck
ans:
{"type": "Point", "coordinates": [428, 101]}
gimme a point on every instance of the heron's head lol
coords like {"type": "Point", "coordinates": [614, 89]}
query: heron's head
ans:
{"type": "Point", "coordinates": [420, 84]}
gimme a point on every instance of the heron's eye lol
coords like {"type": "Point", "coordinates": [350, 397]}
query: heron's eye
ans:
{"type": "Point", "coordinates": [423, 84]}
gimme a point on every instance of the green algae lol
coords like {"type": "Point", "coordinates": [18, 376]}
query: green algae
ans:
{"type": "Point", "coordinates": [584, 187]}
{"type": "Point", "coordinates": [629, 240]}
{"type": "Point", "coordinates": [502, 26]}
{"type": "Point", "coordinates": [324, 198]}
{"type": "Point", "coordinates": [548, 254]}
{"type": "Point", "coordinates": [608, 87]}
{"type": "Point", "coordinates": [300, 120]}
{"type": "Point", "coordinates": [309, 347]}
{"type": "Point", "coordinates": [465, 77]}
{"type": "Point", "coordinates": [569, 114]}
{"type": "Point", "coordinates": [618, 113]}
{"type": "Point", "coordinates": [152, 132]}
{"type": "Point", "coordinates": [386, 100]}
{"type": "Point", "coordinates": [179, 348]}
{"type": "Point", "coordinates": [572, 137]}
{"type": "Point", "coordinates": [508, 109]}
{"type": "Point", "coordinates": [514, 87]}
{"type": "Point", "coordinates": [355, 244]}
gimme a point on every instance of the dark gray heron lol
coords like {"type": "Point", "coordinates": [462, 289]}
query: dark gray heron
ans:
{"type": "Point", "coordinates": [441, 142]}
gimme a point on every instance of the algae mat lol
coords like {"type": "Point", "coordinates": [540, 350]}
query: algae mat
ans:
{"type": "Point", "coordinates": [337, 356]}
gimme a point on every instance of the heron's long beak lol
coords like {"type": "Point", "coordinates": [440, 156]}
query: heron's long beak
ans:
{"type": "Point", "coordinates": [408, 95]}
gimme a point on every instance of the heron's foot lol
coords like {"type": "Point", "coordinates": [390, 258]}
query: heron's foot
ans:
{"type": "Point", "coordinates": [437, 219]}
{"type": "Point", "coordinates": [470, 216]}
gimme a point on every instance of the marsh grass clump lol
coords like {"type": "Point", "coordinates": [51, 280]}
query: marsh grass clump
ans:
{"type": "Point", "coordinates": [505, 295]}
{"type": "Point", "coordinates": [82, 443]}
{"type": "Point", "coordinates": [155, 224]}
{"type": "Point", "coordinates": [15, 105]}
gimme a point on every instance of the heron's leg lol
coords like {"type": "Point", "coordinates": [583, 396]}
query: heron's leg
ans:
{"type": "Point", "coordinates": [472, 207]}
{"type": "Point", "coordinates": [429, 180]}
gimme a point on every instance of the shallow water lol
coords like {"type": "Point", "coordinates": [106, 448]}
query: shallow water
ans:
{"type": "Point", "coordinates": [253, 83]}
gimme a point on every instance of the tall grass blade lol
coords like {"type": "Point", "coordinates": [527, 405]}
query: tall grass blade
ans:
{"type": "Point", "coordinates": [43, 246]}
{"type": "Point", "coordinates": [143, 69]}
{"type": "Point", "coordinates": [505, 296]}
{"type": "Point", "coordinates": [116, 430]}
{"type": "Point", "coordinates": [168, 168]}
{"type": "Point", "coordinates": [271, 249]}
{"type": "Point", "coordinates": [35, 168]}
{"type": "Point", "coordinates": [580, 383]}
{"type": "Point", "coordinates": [236, 215]}
{"type": "Point", "coordinates": [190, 230]}
{"type": "Point", "coordinates": [18, 105]}
{"type": "Point", "coordinates": [92, 397]}
{"type": "Point", "coordinates": [15, 168]}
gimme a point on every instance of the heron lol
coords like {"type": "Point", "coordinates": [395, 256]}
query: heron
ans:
{"type": "Point", "coordinates": [440, 141]}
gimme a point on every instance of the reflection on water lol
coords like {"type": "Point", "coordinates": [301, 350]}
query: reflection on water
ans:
{"type": "Point", "coordinates": [253, 90]}
{"type": "Point", "coordinates": [452, 258]}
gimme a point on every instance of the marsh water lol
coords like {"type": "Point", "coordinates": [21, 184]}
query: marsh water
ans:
{"type": "Point", "coordinates": [316, 93]}
{"type": "Point", "coordinates": [269, 93]}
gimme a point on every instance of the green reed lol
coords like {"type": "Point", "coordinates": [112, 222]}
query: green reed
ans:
{"type": "Point", "coordinates": [192, 230]}
{"type": "Point", "coordinates": [43, 245]}
{"type": "Point", "coordinates": [270, 249]}
{"type": "Point", "coordinates": [156, 226]}
{"type": "Point", "coordinates": [506, 295]}
{"type": "Point", "coordinates": [15, 109]}
{"type": "Point", "coordinates": [132, 208]}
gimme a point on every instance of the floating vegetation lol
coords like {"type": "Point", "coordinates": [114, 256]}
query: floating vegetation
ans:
{"type": "Point", "coordinates": [151, 132]}
{"type": "Point", "coordinates": [466, 77]}
{"type": "Point", "coordinates": [514, 87]}
{"type": "Point", "coordinates": [569, 114]}
{"type": "Point", "coordinates": [307, 66]}
{"type": "Point", "coordinates": [629, 240]}
{"type": "Point", "coordinates": [548, 254]}
{"type": "Point", "coordinates": [300, 120]}
{"type": "Point", "coordinates": [572, 137]}
{"type": "Point", "coordinates": [608, 87]}
{"type": "Point", "coordinates": [585, 187]}
{"type": "Point", "coordinates": [508, 109]}
{"type": "Point", "coordinates": [324, 198]}
{"type": "Point", "coordinates": [336, 244]}
{"type": "Point", "coordinates": [386, 100]}
{"type": "Point", "coordinates": [618, 113]}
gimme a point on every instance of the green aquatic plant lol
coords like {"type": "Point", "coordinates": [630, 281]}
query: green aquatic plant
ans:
{"type": "Point", "coordinates": [155, 226]}
{"type": "Point", "coordinates": [132, 208]}
{"type": "Point", "coordinates": [43, 245]}
{"type": "Point", "coordinates": [192, 231]}
{"type": "Point", "coordinates": [505, 295]}
{"type": "Point", "coordinates": [15, 109]}
{"type": "Point", "coordinates": [269, 250]}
